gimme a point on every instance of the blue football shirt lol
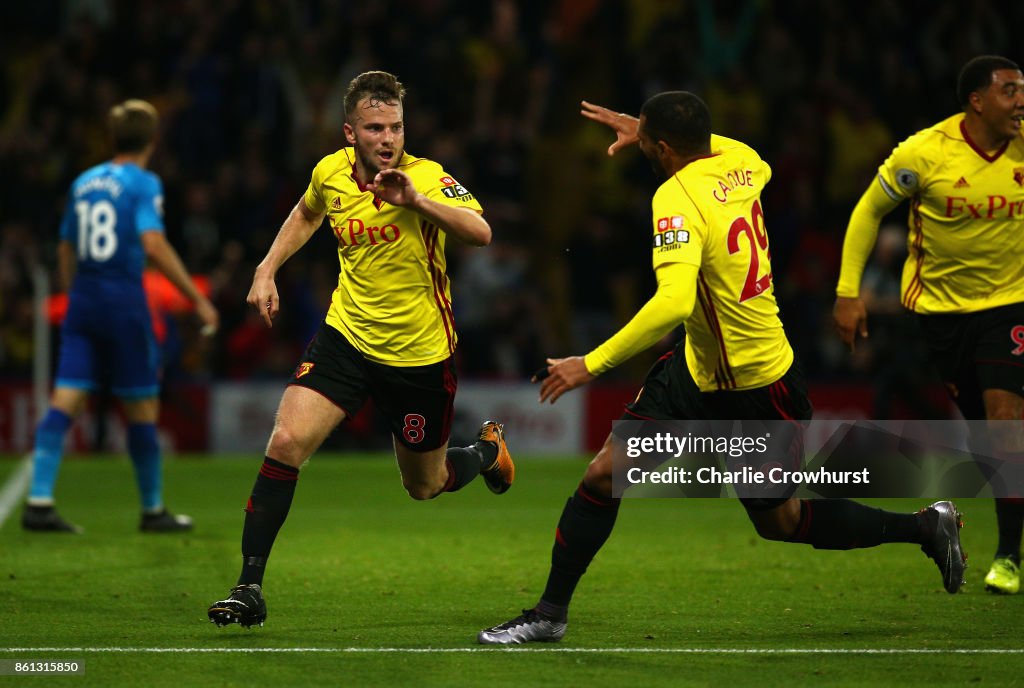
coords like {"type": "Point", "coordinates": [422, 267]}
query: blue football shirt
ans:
{"type": "Point", "coordinates": [108, 207]}
{"type": "Point", "coordinates": [108, 333]}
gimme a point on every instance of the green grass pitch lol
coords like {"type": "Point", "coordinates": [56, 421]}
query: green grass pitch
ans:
{"type": "Point", "coordinates": [684, 592]}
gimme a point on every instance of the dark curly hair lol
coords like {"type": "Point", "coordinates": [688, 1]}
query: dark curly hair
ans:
{"type": "Point", "coordinates": [976, 75]}
{"type": "Point", "coordinates": [680, 119]}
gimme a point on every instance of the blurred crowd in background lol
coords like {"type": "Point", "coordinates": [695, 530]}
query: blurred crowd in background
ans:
{"type": "Point", "coordinates": [250, 95]}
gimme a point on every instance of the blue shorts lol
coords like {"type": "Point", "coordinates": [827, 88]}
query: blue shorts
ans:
{"type": "Point", "coordinates": [109, 345]}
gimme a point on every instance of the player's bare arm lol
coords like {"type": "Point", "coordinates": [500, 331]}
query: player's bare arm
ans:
{"type": "Point", "coordinates": [625, 126]}
{"type": "Point", "coordinates": [167, 261]}
{"type": "Point", "coordinates": [297, 229]}
{"type": "Point", "coordinates": [395, 187]}
{"type": "Point", "coordinates": [851, 319]}
{"type": "Point", "coordinates": [564, 374]}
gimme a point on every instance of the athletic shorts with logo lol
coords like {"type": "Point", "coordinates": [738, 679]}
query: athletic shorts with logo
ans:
{"type": "Point", "coordinates": [417, 401]}
{"type": "Point", "coordinates": [977, 351]}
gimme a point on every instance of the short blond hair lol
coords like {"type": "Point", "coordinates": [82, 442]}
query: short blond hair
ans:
{"type": "Point", "coordinates": [133, 125]}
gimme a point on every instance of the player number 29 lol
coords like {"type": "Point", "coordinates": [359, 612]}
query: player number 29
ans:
{"type": "Point", "coordinates": [753, 229]}
{"type": "Point", "coordinates": [96, 237]}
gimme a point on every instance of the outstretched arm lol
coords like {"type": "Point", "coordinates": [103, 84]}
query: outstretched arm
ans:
{"type": "Point", "coordinates": [671, 304]}
{"type": "Point", "coordinates": [395, 187]}
{"type": "Point", "coordinates": [297, 229]}
{"type": "Point", "coordinates": [625, 126]}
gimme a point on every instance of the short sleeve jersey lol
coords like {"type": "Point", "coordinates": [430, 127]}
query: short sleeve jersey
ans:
{"type": "Point", "coordinates": [107, 336]}
{"type": "Point", "coordinates": [709, 215]}
{"type": "Point", "coordinates": [966, 240]}
{"type": "Point", "coordinates": [393, 300]}
{"type": "Point", "coordinates": [108, 208]}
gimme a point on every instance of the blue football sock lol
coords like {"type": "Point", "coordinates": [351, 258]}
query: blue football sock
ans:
{"type": "Point", "coordinates": [145, 452]}
{"type": "Point", "coordinates": [49, 451]}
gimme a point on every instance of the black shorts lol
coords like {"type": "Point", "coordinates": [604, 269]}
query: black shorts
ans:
{"type": "Point", "coordinates": [977, 351]}
{"type": "Point", "coordinates": [670, 393]}
{"type": "Point", "coordinates": [416, 400]}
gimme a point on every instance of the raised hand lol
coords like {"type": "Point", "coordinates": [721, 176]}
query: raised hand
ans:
{"type": "Point", "coordinates": [394, 187]}
{"type": "Point", "coordinates": [625, 126]}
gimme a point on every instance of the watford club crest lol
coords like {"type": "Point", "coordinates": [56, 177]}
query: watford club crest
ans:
{"type": "Point", "coordinates": [1018, 175]}
{"type": "Point", "coordinates": [303, 369]}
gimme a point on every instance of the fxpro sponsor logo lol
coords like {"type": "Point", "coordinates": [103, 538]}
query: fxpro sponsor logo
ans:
{"type": "Point", "coordinates": [990, 208]}
{"type": "Point", "coordinates": [355, 232]}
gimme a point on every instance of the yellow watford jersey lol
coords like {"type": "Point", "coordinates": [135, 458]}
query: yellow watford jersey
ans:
{"type": "Point", "coordinates": [709, 215]}
{"type": "Point", "coordinates": [966, 221]}
{"type": "Point", "coordinates": [393, 301]}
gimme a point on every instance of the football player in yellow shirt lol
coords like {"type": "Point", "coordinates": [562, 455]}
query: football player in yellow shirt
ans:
{"type": "Point", "coordinates": [711, 261]}
{"type": "Point", "coordinates": [388, 335]}
{"type": "Point", "coordinates": [964, 275]}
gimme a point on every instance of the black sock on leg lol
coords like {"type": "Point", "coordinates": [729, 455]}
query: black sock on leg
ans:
{"type": "Point", "coordinates": [1010, 521]}
{"type": "Point", "coordinates": [264, 514]}
{"type": "Point", "coordinates": [846, 524]}
{"type": "Point", "coordinates": [486, 451]}
{"type": "Point", "coordinates": [585, 525]}
{"type": "Point", "coordinates": [464, 464]}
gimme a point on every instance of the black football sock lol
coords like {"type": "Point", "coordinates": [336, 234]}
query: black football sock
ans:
{"type": "Point", "coordinates": [846, 524]}
{"type": "Point", "coordinates": [486, 453]}
{"type": "Point", "coordinates": [463, 465]}
{"type": "Point", "coordinates": [585, 525]}
{"type": "Point", "coordinates": [265, 512]}
{"type": "Point", "coordinates": [1010, 520]}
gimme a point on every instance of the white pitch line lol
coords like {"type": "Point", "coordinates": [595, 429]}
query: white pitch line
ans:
{"type": "Point", "coordinates": [564, 650]}
{"type": "Point", "coordinates": [15, 487]}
